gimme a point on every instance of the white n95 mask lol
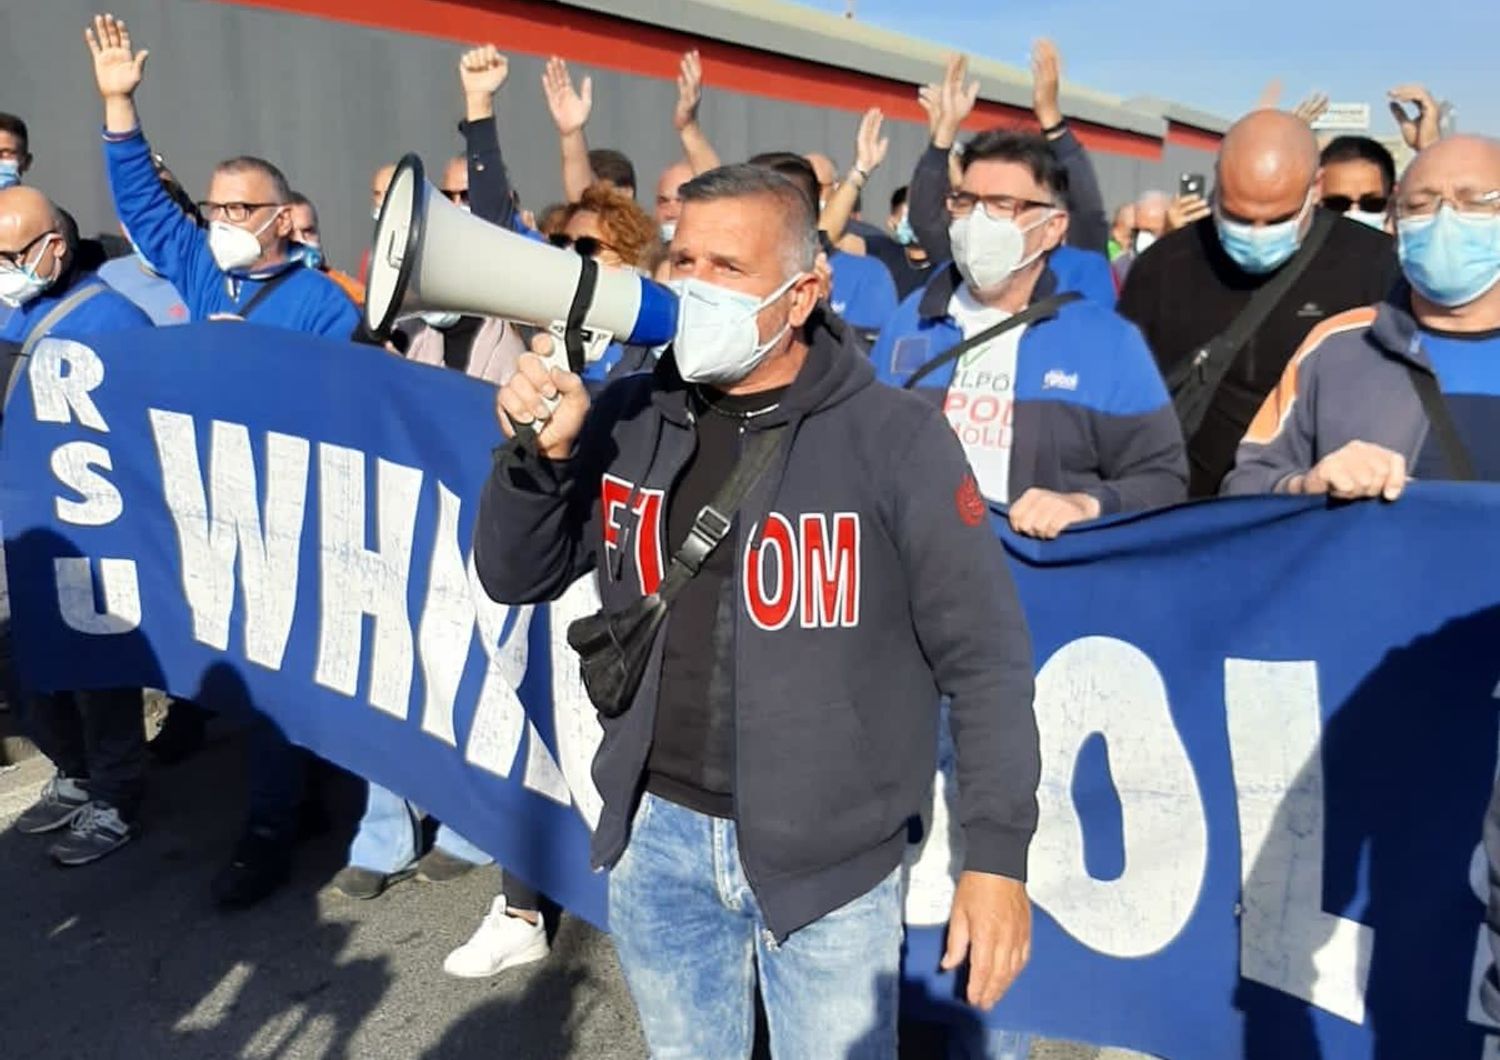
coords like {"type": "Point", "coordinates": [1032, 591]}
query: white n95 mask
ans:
{"type": "Point", "coordinates": [718, 339]}
{"type": "Point", "coordinates": [234, 247]}
{"type": "Point", "coordinates": [988, 251]}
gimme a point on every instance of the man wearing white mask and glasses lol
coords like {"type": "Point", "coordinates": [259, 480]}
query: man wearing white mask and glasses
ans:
{"type": "Point", "coordinates": [236, 269]}
{"type": "Point", "coordinates": [1226, 301]}
{"type": "Point", "coordinates": [822, 590]}
{"type": "Point", "coordinates": [1055, 398]}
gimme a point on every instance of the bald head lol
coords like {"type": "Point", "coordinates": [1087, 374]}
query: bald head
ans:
{"type": "Point", "coordinates": [1457, 168]}
{"type": "Point", "coordinates": [25, 213]}
{"type": "Point", "coordinates": [668, 202]}
{"type": "Point", "coordinates": [27, 217]}
{"type": "Point", "coordinates": [1267, 163]}
{"type": "Point", "coordinates": [379, 184]}
{"type": "Point", "coordinates": [455, 183]}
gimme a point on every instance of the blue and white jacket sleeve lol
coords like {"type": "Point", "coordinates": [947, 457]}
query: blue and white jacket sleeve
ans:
{"type": "Point", "coordinates": [1142, 456]}
{"type": "Point", "coordinates": [171, 241]}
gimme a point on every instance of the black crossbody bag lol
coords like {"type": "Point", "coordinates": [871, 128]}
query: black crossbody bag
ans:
{"type": "Point", "coordinates": [1455, 453]}
{"type": "Point", "coordinates": [1196, 380]}
{"type": "Point", "coordinates": [614, 648]}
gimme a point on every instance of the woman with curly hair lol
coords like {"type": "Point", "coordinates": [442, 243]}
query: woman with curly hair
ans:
{"type": "Point", "coordinates": [607, 225]}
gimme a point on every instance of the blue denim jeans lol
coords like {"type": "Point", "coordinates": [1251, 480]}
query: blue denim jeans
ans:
{"type": "Point", "coordinates": [691, 940]}
{"type": "Point", "coordinates": [390, 834]}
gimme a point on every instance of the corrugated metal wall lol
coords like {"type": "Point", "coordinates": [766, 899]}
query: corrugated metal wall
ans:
{"type": "Point", "coordinates": [328, 102]}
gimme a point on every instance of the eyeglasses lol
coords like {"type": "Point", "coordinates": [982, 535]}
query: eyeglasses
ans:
{"type": "Point", "coordinates": [1425, 204]}
{"type": "Point", "coordinates": [584, 246]}
{"type": "Point", "coordinates": [235, 213]}
{"type": "Point", "coordinates": [457, 196]}
{"type": "Point", "coordinates": [1366, 203]}
{"type": "Point", "coordinates": [16, 259]}
{"type": "Point", "coordinates": [1000, 207]}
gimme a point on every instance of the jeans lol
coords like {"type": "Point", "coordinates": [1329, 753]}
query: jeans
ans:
{"type": "Point", "coordinates": [389, 841]}
{"type": "Point", "coordinates": [973, 1041]}
{"type": "Point", "coordinates": [691, 940]}
{"type": "Point", "coordinates": [98, 737]}
{"type": "Point", "coordinates": [390, 835]}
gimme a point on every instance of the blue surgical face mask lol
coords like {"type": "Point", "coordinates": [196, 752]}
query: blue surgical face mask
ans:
{"type": "Point", "coordinates": [1450, 258]}
{"type": "Point", "coordinates": [10, 173]}
{"type": "Point", "coordinates": [307, 254]}
{"type": "Point", "coordinates": [1262, 249]}
{"type": "Point", "coordinates": [904, 233]}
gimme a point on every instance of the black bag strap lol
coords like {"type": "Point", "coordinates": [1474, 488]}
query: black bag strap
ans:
{"type": "Point", "coordinates": [713, 522]}
{"type": "Point", "coordinates": [265, 291]}
{"type": "Point", "coordinates": [1036, 310]}
{"type": "Point", "coordinates": [1210, 363]}
{"type": "Point", "coordinates": [1460, 467]}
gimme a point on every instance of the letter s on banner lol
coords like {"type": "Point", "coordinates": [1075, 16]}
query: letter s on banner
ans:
{"type": "Point", "coordinates": [1104, 685]}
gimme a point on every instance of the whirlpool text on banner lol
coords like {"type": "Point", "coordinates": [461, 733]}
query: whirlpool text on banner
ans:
{"type": "Point", "coordinates": [1268, 728]}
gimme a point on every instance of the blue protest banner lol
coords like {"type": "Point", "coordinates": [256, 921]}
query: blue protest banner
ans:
{"type": "Point", "coordinates": [1268, 727]}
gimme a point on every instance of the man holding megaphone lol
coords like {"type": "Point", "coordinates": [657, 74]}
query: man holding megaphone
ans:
{"type": "Point", "coordinates": [787, 594]}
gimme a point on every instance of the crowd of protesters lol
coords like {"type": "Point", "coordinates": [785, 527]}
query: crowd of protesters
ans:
{"type": "Point", "coordinates": [1296, 326]}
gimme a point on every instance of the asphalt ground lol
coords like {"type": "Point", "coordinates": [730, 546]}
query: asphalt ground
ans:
{"type": "Point", "coordinates": [128, 958]}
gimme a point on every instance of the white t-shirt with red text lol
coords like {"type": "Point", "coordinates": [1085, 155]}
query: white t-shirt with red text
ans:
{"type": "Point", "coordinates": [980, 403]}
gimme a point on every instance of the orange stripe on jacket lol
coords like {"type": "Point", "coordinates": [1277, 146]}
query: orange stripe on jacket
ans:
{"type": "Point", "coordinates": [1278, 404]}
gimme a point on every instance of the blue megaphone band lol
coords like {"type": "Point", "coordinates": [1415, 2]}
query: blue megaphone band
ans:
{"type": "Point", "coordinates": [656, 323]}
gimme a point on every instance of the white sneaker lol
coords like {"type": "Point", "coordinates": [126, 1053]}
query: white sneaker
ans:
{"type": "Point", "coordinates": [502, 941]}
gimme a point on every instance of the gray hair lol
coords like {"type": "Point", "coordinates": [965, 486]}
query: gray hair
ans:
{"type": "Point", "coordinates": [799, 244]}
{"type": "Point", "coordinates": [251, 164]}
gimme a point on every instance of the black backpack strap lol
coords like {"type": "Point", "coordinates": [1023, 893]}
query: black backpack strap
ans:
{"type": "Point", "coordinates": [713, 522]}
{"type": "Point", "coordinates": [1035, 311]}
{"type": "Point", "coordinates": [1455, 453]}
{"type": "Point", "coordinates": [259, 297]}
{"type": "Point", "coordinates": [1196, 380]}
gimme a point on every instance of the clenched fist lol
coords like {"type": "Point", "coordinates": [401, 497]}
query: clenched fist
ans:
{"type": "Point", "coordinates": [551, 400]}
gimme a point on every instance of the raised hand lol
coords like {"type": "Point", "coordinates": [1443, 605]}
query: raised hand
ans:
{"type": "Point", "coordinates": [1046, 80]}
{"type": "Point", "coordinates": [482, 71]}
{"type": "Point", "coordinates": [689, 91]}
{"type": "Point", "coordinates": [1422, 130]}
{"type": "Point", "coordinates": [952, 99]}
{"type": "Point", "coordinates": [1185, 210]}
{"type": "Point", "coordinates": [117, 68]}
{"type": "Point", "coordinates": [869, 146]}
{"type": "Point", "coordinates": [1312, 108]}
{"type": "Point", "coordinates": [570, 108]}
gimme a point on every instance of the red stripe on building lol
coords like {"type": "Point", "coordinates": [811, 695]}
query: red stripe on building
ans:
{"type": "Point", "coordinates": [589, 38]}
{"type": "Point", "coordinates": [1191, 136]}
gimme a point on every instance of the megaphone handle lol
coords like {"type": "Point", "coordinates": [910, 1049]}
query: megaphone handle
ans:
{"type": "Point", "coordinates": [526, 433]}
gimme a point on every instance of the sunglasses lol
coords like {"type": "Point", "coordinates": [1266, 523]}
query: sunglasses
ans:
{"type": "Point", "coordinates": [16, 259]}
{"type": "Point", "coordinates": [457, 196]}
{"type": "Point", "coordinates": [1366, 203]}
{"type": "Point", "coordinates": [584, 246]}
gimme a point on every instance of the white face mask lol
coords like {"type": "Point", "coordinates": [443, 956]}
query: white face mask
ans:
{"type": "Point", "coordinates": [718, 337]}
{"type": "Point", "coordinates": [1142, 241]}
{"type": "Point", "coordinates": [989, 252]}
{"type": "Point", "coordinates": [439, 320]}
{"type": "Point", "coordinates": [19, 286]}
{"type": "Point", "coordinates": [234, 247]}
{"type": "Point", "coordinates": [668, 230]}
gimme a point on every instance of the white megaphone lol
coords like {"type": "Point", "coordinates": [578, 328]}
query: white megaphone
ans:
{"type": "Point", "coordinates": [431, 255]}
